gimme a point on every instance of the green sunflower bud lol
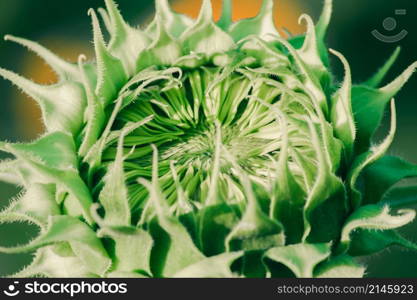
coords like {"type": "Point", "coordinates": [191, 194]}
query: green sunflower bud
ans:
{"type": "Point", "coordinates": [204, 149]}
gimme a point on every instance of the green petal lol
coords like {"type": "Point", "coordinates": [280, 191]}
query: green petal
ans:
{"type": "Point", "coordinates": [174, 249]}
{"type": "Point", "coordinates": [265, 53]}
{"type": "Point", "coordinates": [56, 150]}
{"type": "Point", "coordinates": [106, 19]}
{"type": "Point", "coordinates": [309, 78]}
{"type": "Point", "coordinates": [50, 264]}
{"type": "Point", "coordinates": [342, 266]}
{"type": "Point", "coordinates": [95, 153]}
{"type": "Point", "coordinates": [376, 80]}
{"type": "Point", "coordinates": [53, 159]}
{"type": "Point", "coordinates": [83, 240]}
{"type": "Point", "coordinates": [111, 74]}
{"type": "Point", "coordinates": [324, 21]}
{"type": "Point", "coordinates": [325, 205]}
{"type": "Point", "coordinates": [126, 42]}
{"type": "Point", "coordinates": [368, 106]}
{"type": "Point", "coordinates": [215, 223]}
{"type": "Point", "coordinates": [10, 172]}
{"type": "Point", "coordinates": [375, 217]}
{"type": "Point", "coordinates": [164, 51]}
{"type": "Point", "coordinates": [401, 196]}
{"type": "Point", "coordinates": [261, 26]}
{"type": "Point", "coordinates": [205, 37]}
{"type": "Point", "coordinates": [64, 69]}
{"type": "Point", "coordinates": [366, 242]}
{"type": "Point", "coordinates": [175, 23]}
{"type": "Point", "coordinates": [114, 195]}
{"type": "Point", "coordinates": [301, 259]}
{"type": "Point", "coordinates": [224, 216]}
{"type": "Point", "coordinates": [255, 230]}
{"type": "Point", "coordinates": [62, 104]}
{"type": "Point", "coordinates": [365, 159]}
{"type": "Point", "coordinates": [309, 52]}
{"type": "Point", "coordinates": [226, 18]}
{"type": "Point", "coordinates": [71, 206]}
{"type": "Point", "coordinates": [341, 110]}
{"type": "Point", "coordinates": [288, 199]}
{"type": "Point", "coordinates": [94, 116]}
{"type": "Point", "coordinates": [132, 249]}
{"type": "Point", "coordinates": [321, 30]}
{"type": "Point", "coordinates": [380, 176]}
{"type": "Point", "coordinates": [38, 202]}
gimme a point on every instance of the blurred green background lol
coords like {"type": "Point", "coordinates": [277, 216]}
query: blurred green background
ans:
{"type": "Point", "coordinates": [64, 27]}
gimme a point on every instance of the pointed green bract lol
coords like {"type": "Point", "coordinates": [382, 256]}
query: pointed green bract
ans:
{"type": "Point", "coordinates": [380, 176]}
{"type": "Point", "coordinates": [196, 148]}
{"type": "Point", "coordinates": [180, 250]}
{"type": "Point", "coordinates": [65, 70]}
{"type": "Point", "coordinates": [377, 78]}
{"type": "Point", "coordinates": [255, 230]}
{"type": "Point", "coordinates": [50, 263]}
{"type": "Point", "coordinates": [84, 243]}
{"type": "Point", "coordinates": [341, 113]}
{"type": "Point", "coordinates": [226, 17]}
{"type": "Point", "coordinates": [94, 114]}
{"type": "Point", "coordinates": [110, 71]}
{"type": "Point", "coordinates": [175, 23]}
{"type": "Point", "coordinates": [288, 196]}
{"type": "Point", "coordinates": [132, 250]}
{"type": "Point", "coordinates": [164, 51]}
{"type": "Point", "coordinates": [365, 159]}
{"type": "Point", "coordinates": [114, 195]}
{"type": "Point", "coordinates": [373, 217]}
{"type": "Point", "coordinates": [205, 36]}
{"type": "Point", "coordinates": [309, 52]}
{"type": "Point", "coordinates": [38, 202]}
{"type": "Point", "coordinates": [261, 26]}
{"type": "Point", "coordinates": [339, 267]}
{"type": "Point", "coordinates": [321, 30]}
{"type": "Point", "coordinates": [369, 104]}
{"type": "Point", "coordinates": [301, 259]}
{"type": "Point", "coordinates": [126, 42]}
{"type": "Point", "coordinates": [61, 104]}
{"type": "Point", "coordinates": [53, 159]}
{"type": "Point", "coordinates": [401, 197]}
